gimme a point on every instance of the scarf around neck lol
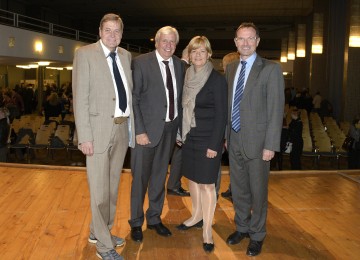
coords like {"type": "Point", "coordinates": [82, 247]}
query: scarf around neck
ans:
{"type": "Point", "coordinates": [194, 81]}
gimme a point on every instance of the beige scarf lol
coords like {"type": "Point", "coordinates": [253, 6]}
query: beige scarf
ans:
{"type": "Point", "coordinates": [194, 81]}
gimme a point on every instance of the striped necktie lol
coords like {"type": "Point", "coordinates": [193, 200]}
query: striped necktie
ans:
{"type": "Point", "coordinates": [235, 117]}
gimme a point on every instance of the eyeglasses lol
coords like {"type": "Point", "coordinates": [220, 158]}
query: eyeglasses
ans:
{"type": "Point", "coordinates": [108, 31]}
{"type": "Point", "coordinates": [242, 40]}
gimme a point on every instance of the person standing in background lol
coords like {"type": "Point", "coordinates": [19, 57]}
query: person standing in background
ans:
{"type": "Point", "coordinates": [256, 107]}
{"type": "Point", "coordinates": [227, 59]}
{"type": "Point", "coordinates": [158, 81]}
{"type": "Point", "coordinates": [295, 137]}
{"type": "Point", "coordinates": [354, 152]}
{"type": "Point", "coordinates": [102, 86]}
{"type": "Point", "coordinates": [174, 180]}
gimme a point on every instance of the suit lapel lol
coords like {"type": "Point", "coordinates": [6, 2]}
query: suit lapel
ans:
{"type": "Point", "coordinates": [125, 64]}
{"type": "Point", "coordinates": [253, 75]}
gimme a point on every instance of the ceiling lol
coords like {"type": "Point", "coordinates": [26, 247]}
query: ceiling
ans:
{"type": "Point", "coordinates": [215, 19]}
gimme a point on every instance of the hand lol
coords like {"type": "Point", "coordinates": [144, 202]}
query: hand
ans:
{"type": "Point", "coordinates": [268, 155]}
{"type": "Point", "coordinates": [87, 148]}
{"type": "Point", "coordinates": [210, 153]}
{"type": "Point", "coordinates": [142, 139]}
{"type": "Point", "coordinates": [179, 143]}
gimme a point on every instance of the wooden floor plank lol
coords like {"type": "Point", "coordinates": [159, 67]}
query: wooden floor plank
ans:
{"type": "Point", "coordinates": [45, 214]}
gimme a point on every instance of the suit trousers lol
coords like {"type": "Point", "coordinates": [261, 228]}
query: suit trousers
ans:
{"type": "Point", "coordinates": [103, 172]}
{"type": "Point", "coordinates": [249, 186]}
{"type": "Point", "coordinates": [149, 167]}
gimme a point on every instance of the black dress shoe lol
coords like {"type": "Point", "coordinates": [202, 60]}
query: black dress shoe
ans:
{"type": "Point", "coordinates": [160, 229]}
{"type": "Point", "coordinates": [227, 194]}
{"type": "Point", "coordinates": [236, 237]}
{"type": "Point", "coordinates": [178, 192]}
{"type": "Point", "coordinates": [184, 227]}
{"type": "Point", "coordinates": [208, 248]}
{"type": "Point", "coordinates": [254, 248]}
{"type": "Point", "coordinates": [136, 234]}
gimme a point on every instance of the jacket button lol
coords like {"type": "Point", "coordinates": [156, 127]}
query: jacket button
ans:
{"type": "Point", "coordinates": [114, 99]}
{"type": "Point", "coordinates": [112, 116]}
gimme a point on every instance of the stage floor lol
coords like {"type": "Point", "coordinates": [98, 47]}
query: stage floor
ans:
{"type": "Point", "coordinates": [44, 214]}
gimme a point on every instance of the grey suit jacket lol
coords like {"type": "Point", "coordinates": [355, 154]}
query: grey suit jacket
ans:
{"type": "Point", "coordinates": [149, 95]}
{"type": "Point", "coordinates": [261, 107]}
{"type": "Point", "coordinates": [94, 95]}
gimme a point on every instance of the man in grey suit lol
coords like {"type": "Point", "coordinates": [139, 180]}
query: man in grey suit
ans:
{"type": "Point", "coordinates": [256, 105]}
{"type": "Point", "coordinates": [158, 80]}
{"type": "Point", "coordinates": [102, 86]}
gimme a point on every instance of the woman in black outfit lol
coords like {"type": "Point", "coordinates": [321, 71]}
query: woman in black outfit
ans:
{"type": "Point", "coordinates": [204, 118]}
{"type": "Point", "coordinates": [295, 136]}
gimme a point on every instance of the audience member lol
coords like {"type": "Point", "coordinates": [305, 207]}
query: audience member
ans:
{"type": "Point", "coordinates": [52, 106]}
{"type": "Point", "coordinates": [295, 137]}
{"type": "Point", "coordinates": [317, 102]}
{"type": "Point", "coordinates": [354, 153]}
{"type": "Point", "coordinates": [4, 133]}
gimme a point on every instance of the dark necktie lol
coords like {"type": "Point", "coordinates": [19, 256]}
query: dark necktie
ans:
{"type": "Point", "coordinates": [119, 84]}
{"type": "Point", "coordinates": [169, 86]}
{"type": "Point", "coordinates": [237, 98]}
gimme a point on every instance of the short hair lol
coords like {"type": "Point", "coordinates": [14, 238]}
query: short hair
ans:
{"type": "Point", "coordinates": [248, 25]}
{"type": "Point", "coordinates": [185, 53]}
{"type": "Point", "coordinates": [198, 41]}
{"type": "Point", "coordinates": [111, 17]}
{"type": "Point", "coordinates": [230, 57]}
{"type": "Point", "coordinates": [166, 30]}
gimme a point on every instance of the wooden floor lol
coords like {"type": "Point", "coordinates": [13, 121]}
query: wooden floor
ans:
{"type": "Point", "coordinates": [44, 214]}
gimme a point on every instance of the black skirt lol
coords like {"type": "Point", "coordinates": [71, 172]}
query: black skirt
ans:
{"type": "Point", "coordinates": [195, 165]}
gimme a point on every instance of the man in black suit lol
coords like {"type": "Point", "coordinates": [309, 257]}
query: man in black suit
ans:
{"type": "Point", "coordinates": [174, 180]}
{"type": "Point", "coordinates": [158, 79]}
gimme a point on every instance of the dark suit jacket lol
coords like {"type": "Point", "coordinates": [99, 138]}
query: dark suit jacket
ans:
{"type": "Point", "coordinates": [261, 107]}
{"type": "Point", "coordinates": [149, 95]}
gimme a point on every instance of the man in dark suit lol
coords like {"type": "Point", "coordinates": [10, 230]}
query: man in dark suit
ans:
{"type": "Point", "coordinates": [103, 121]}
{"type": "Point", "coordinates": [158, 80]}
{"type": "Point", "coordinates": [174, 180]}
{"type": "Point", "coordinates": [256, 106]}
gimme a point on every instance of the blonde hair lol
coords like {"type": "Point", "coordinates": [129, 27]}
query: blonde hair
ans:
{"type": "Point", "coordinates": [197, 42]}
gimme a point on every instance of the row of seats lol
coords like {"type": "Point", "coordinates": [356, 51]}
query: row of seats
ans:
{"type": "Point", "coordinates": [322, 138]}
{"type": "Point", "coordinates": [31, 132]}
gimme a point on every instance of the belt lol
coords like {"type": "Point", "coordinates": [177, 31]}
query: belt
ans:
{"type": "Point", "coordinates": [120, 120]}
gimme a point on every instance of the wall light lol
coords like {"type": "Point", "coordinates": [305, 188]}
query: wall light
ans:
{"type": "Point", "coordinates": [60, 49]}
{"type": "Point", "coordinates": [283, 57]}
{"type": "Point", "coordinates": [301, 39]}
{"type": "Point", "coordinates": [38, 46]}
{"type": "Point", "coordinates": [11, 42]}
{"type": "Point", "coordinates": [291, 46]}
{"type": "Point", "coordinates": [354, 38]}
{"type": "Point", "coordinates": [317, 35]}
